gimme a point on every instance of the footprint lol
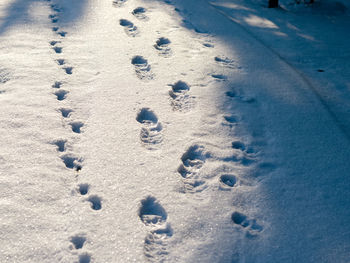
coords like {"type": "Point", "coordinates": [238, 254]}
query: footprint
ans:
{"type": "Point", "coordinates": [151, 212]}
{"type": "Point", "coordinates": [238, 145]}
{"type": "Point", "coordinates": [231, 94]}
{"type": "Point", "coordinates": [230, 120]}
{"type": "Point", "coordinates": [251, 226]}
{"type": "Point", "coordinates": [150, 134]}
{"type": "Point", "coordinates": [58, 50]}
{"type": "Point", "coordinates": [76, 126]}
{"type": "Point", "coordinates": [65, 112]}
{"type": "Point", "coordinates": [180, 100]}
{"type": "Point", "coordinates": [57, 85]}
{"type": "Point", "coordinates": [240, 219]}
{"type": "Point", "coordinates": [208, 45]}
{"type": "Point", "coordinates": [118, 3]}
{"type": "Point", "coordinates": [52, 43]}
{"type": "Point", "coordinates": [61, 33]}
{"type": "Point", "coordinates": [146, 116]}
{"type": "Point", "coordinates": [55, 28]}
{"type": "Point", "coordinates": [95, 201]}
{"type": "Point", "coordinates": [78, 241]}
{"type": "Point", "coordinates": [83, 189]}
{"type": "Point", "coordinates": [142, 68]}
{"type": "Point", "coordinates": [227, 181]}
{"type": "Point", "coordinates": [61, 94]}
{"type": "Point", "coordinates": [85, 258]}
{"type": "Point", "coordinates": [54, 20]}
{"type": "Point", "coordinates": [56, 8]}
{"type": "Point", "coordinates": [60, 145]}
{"type": "Point", "coordinates": [139, 13]}
{"type": "Point", "coordinates": [192, 161]}
{"type": "Point", "coordinates": [60, 62]}
{"type": "Point", "coordinates": [162, 45]}
{"type": "Point", "coordinates": [68, 70]}
{"type": "Point", "coordinates": [129, 28]}
{"type": "Point", "coordinates": [72, 162]}
{"type": "Point", "coordinates": [219, 77]}
{"type": "Point", "coordinates": [225, 61]}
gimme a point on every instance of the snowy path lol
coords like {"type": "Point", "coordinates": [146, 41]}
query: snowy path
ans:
{"type": "Point", "coordinates": [141, 131]}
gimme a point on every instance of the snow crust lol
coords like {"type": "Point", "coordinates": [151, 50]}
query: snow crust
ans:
{"type": "Point", "coordinates": [176, 131]}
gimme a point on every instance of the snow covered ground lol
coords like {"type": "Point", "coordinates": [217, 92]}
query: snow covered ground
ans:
{"type": "Point", "coordinates": [176, 131]}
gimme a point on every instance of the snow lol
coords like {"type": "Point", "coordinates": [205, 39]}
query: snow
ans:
{"type": "Point", "coordinates": [176, 131]}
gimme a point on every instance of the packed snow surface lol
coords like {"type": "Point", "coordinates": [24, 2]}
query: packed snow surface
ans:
{"type": "Point", "coordinates": [174, 131]}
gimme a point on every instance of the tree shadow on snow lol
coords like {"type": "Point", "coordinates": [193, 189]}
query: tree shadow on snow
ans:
{"type": "Point", "coordinates": [280, 46]}
{"type": "Point", "coordinates": [18, 12]}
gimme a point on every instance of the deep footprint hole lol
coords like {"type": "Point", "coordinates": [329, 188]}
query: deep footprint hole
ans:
{"type": "Point", "coordinates": [228, 179]}
{"type": "Point", "coordinates": [127, 23]}
{"type": "Point", "coordinates": [78, 241]}
{"type": "Point", "coordinates": [52, 43]}
{"type": "Point", "coordinates": [60, 145]}
{"type": "Point", "coordinates": [95, 202]}
{"type": "Point", "coordinates": [146, 115]}
{"type": "Point", "coordinates": [61, 94]}
{"type": "Point", "coordinates": [65, 112]}
{"type": "Point", "coordinates": [58, 50]}
{"type": "Point", "coordinates": [69, 161]}
{"type": "Point", "coordinates": [57, 85]}
{"type": "Point", "coordinates": [231, 94]}
{"type": "Point", "coordinates": [60, 62]}
{"type": "Point", "coordinates": [238, 145]}
{"type": "Point", "coordinates": [72, 162]}
{"type": "Point", "coordinates": [208, 45]}
{"type": "Point", "coordinates": [239, 219]}
{"type": "Point", "coordinates": [139, 60]}
{"type": "Point", "coordinates": [180, 86]}
{"type": "Point", "coordinates": [61, 33]}
{"type": "Point", "coordinates": [231, 119]}
{"type": "Point", "coordinates": [139, 10]}
{"type": "Point", "coordinates": [69, 70]}
{"type": "Point", "coordinates": [84, 189]}
{"type": "Point", "coordinates": [163, 42]}
{"type": "Point", "coordinates": [76, 126]}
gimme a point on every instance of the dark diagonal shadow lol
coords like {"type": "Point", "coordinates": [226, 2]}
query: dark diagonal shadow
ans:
{"type": "Point", "coordinates": [18, 12]}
